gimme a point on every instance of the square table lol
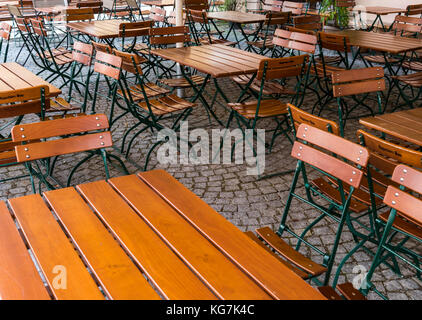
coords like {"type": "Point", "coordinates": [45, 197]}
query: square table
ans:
{"type": "Point", "coordinates": [142, 236]}
{"type": "Point", "coordinates": [214, 60]}
{"type": "Point", "coordinates": [405, 125]}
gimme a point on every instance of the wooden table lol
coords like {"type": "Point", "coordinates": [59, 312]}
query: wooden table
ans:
{"type": "Point", "coordinates": [141, 237]}
{"type": "Point", "coordinates": [160, 3]}
{"type": "Point", "coordinates": [100, 29]}
{"type": "Point", "coordinates": [405, 125]}
{"type": "Point", "coordinates": [14, 76]}
{"type": "Point", "coordinates": [216, 61]}
{"type": "Point", "coordinates": [237, 19]}
{"type": "Point", "coordinates": [380, 11]}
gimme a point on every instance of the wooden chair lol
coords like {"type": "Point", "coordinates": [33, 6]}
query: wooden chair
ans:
{"type": "Point", "coordinates": [414, 10]}
{"type": "Point", "coordinates": [200, 26]}
{"type": "Point", "coordinates": [5, 32]}
{"type": "Point", "coordinates": [308, 22]}
{"type": "Point", "coordinates": [357, 84]}
{"type": "Point", "coordinates": [138, 31]}
{"type": "Point", "coordinates": [338, 43]}
{"type": "Point", "coordinates": [248, 113]}
{"type": "Point", "coordinates": [102, 47]}
{"type": "Point", "coordinates": [331, 156]}
{"type": "Point", "coordinates": [97, 6]}
{"type": "Point", "coordinates": [273, 20]}
{"type": "Point", "coordinates": [151, 105]}
{"type": "Point", "coordinates": [26, 8]}
{"type": "Point", "coordinates": [402, 218]}
{"type": "Point", "coordinates": [296, 8]}
{"type": "Point", "coordinates": [5, 14]}
{"type": "Point", "coordinates": [59, 137]}
{"type": "Point", "coordinates": [197, 5]}
{"type": "Point", "coordinates": [158, 15]}
{"type": "Point", "coordinates": [134, 11]}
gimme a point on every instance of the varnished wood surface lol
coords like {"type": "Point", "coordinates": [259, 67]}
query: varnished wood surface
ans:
{"type": "Point", "coordinates": [159, 3]}
{"type": "Point", "coordinates": [379, 10]}
{"type": "Point", "coordinates": [236, 16]}
{"type": "Point", "coordinates": [100, 29]}
{"type": "Point", "coordinates": [13, 76]}
{"type": "Point", "coordinates": [137, 237]}
{"type": "Point", "coordinates": [215, 59]}
{"type": "Point", "coordinates": [381, 42]}
{"type": "Point", "coordinates": [405, 125]}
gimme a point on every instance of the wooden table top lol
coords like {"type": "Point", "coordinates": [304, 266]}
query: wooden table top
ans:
{"type": "Point", "coordinates": [14, 76]}
{"type": "Point", "coordinates": [379, 10]}
{"type": "Point", "coordinates": [405, 125]}
{"type": "Point", "coordinates": [214, 59]}
{"type": "Point", "coordinates": [100, 29]}
{"type": "Point", "coordinates": [160, 241]}
{"type": "Point", "coordinates": [237, 16]}
{"type": "Point", "coordinates": [381, 42]}
{"type": "Point", "coordinates": [161, 3]}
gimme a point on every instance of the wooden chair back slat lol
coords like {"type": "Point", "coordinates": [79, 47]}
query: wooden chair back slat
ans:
{"type": "Point", "coordinates": [300, 116]}
{"type": "Point", "coordinates": [414, 9]}
{"type": "Point", "coordinates": [277, 18]}
{"type": "Point", "coordinates": [38, 27]}
{"type": "Point", "coordinates": [333, 143]}
{"type": "Point", "coordinates": [408, 177]}
{"type": "Point", "coordinates": [130, 61]}
{"type": "Point", "coordinates": [102, 47]}
{"type": "Point", "coordinates": [20, 95]}
{"type": "Point", "coordinates": [108, 64]}
{"type": "Point", "coordinates": [198, 16]}
{"type": "Point", "coordinates": [298, 30]}
{"type": "Point", "coordinates": [308, 22]}
{"type": "Point", "coordinates": [59, 127]}
{"type": "Point", "coordinates": [95, 5]}
{"type": "Point", "coordinates": [295, 40]}
{"type": "Point", "coordinates": [78, 14]}
{"type": "Point", "coordinates": [295, 8]}
{"type": "Point", "coordinates": [345, 3]}
{"type": "Point", "coordinates": [277, 68]}
{"type": "Point", "coordinates": [135, 29]}
{"type": "Point", "coordinates": [196, 5]}
{"type": "Point", "coordinates": [358, 81]}
{"type": "Point", "coordinates": [169, 35]}
{"type": "Point", "coordinates": [82, 53]}
{"type": "Point", "coordinates": [22, 25]}
{"type": "Point", "coordinates": [387, 150]}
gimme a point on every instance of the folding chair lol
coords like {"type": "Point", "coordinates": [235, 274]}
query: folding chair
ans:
{"type": "Point", "coordinates": [71, 135]}
{"type": "Point", "coordinates": [138, 32]}
{"type": "Point", "coordinates": [5, 32]}
{"type": "Point", "coordinates": [332, 157]}
{"type": "Point", "coordinates": [357, 84]}
{"type": "Point", "coordinates": [150, 105]}
{"type": "Point", "coordinates": [414, 10]}
{"type": "Point", "coordinates": [296, 8]}
{"type": "Point", "coordinates": [200, 26]}
{"type": "Point", "coordinates": [76, 15]}
{"type": "Point", "coordinates": [273, 20]}
{"type": "Point", "coordinates": [158, 15]}
{"type": "Point", "coordinates": [248, 113]}
{"type": "Point", "coordinates": [403, 218]}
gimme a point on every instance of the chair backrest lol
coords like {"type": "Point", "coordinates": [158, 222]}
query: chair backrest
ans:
{"type": "Point", "coordinates": [19, 102]}
{"type": "Point", "coordinates": [196, 4]}
{"type": "Point", "coordinates": [279, 68]}
{"type": "Point", "coordinates": [273, 5]}
{"type": "Point", "coordinates": [335, 42]}
{"type": "Point", "coordinates": [78, 14]}
{"type": "Point", "coordinates": [38, 27]}
{"type": "Point", "coordinates": [295, 8]}
{"type": "Point", "coordinates": [405, 204]}
{"type": "Point", "coordinates": [22, 25]}
{"type": "Point", "coordinates": [198, 16]}
{"type": "Point", "coordinates": [308, 22]}
{"type": "Point", "coordinates": [82, 53]}
{"type": "Point", "coordinates": [407, 24]}
{"type": "Point", "coordinates": [133, 5]}
{"type": "Point", "coordinates": [97, 6]}
{"type": "Point", "coordinates": [385, 155]}
{"type": "Point", "coordinates": [345, 3]}
{"type": "Point", "coordinates": [5, 31]}
{"type": "Point", "coordinates": [157, 14]}
{"type": "Point", "coordinates": [295, 41]}
{"type": "Point", "coordinates": [130, 62]}
{"type": "Point", "coordinates": [135, 29]}
{"type": "Point", "coordinates": [102, 47]}
{"type": "Point", "coordinates": [169, 35]}
{"type": "Point", "coordinates": [14, 11]}
{"type": "Point", "coordinates": [277, 18]}
{"type": "Point", "coordinates": [358, 81]}
{"type": "Point", "coordinates": [293, 29]}
{"type": "Point", "coordinates": [299, 116]}
{"type": "Point", "coordinates": [108, 65]}
{"type": "Point", "coordinates": [414, 9]}
{"type": "Point", "coordinates": [59, 128]}
{"type": "Point", "coordinates": [319, 149]}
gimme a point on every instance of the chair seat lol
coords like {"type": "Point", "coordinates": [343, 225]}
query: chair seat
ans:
{"type": "Point", "coordinates": [268, 43]}
{"type": "Point", "coordinates": [329, 70]}
{"type": "Point", "coordinates": [60, 55]}
{"type": "Point", "coordinates": [217, 41]}
{"type": "Point", "coordinates": [403, 225]}
{"type": "Point", "coordinates": [151, 90]}
{"type": "Point", "coordinates": [380, 59]}
{"type": "Point", "coordinates": [414, 79]}
{"type": "Point", "coordinates": [60, 104]}
{"type": "Point", "coordinates": [270, 87]}
{"type": "Point", "coordinates": [412, 65]}
{"type": "Point", "coordinates": [330, 59]}
{"type": "Point", "coordinates": [166, 105]}
{"type": "Point", "coordinates": [137, 47]}
{"type": "Point", "coordinates": [182, 82]}
{"type": "Point", "coordinates": [268, 108]}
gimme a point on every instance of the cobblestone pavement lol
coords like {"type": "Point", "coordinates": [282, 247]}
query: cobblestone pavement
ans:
{"type": "Point", "coordinates": [245, 201]}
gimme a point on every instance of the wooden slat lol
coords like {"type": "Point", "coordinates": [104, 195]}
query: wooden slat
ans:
{"type": "Point", "coordinates": [52, 249]}
{"type": "Point", "coordinates": [19, 279]}
{"type": "Point", "coordinates": [117, 274]}
{"type": "Point", "coordinates": [276, 278]}
{"type": "Point", "coordinates": [224, 277]}
{"type": "Point", "coordinates": [169, 274]}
